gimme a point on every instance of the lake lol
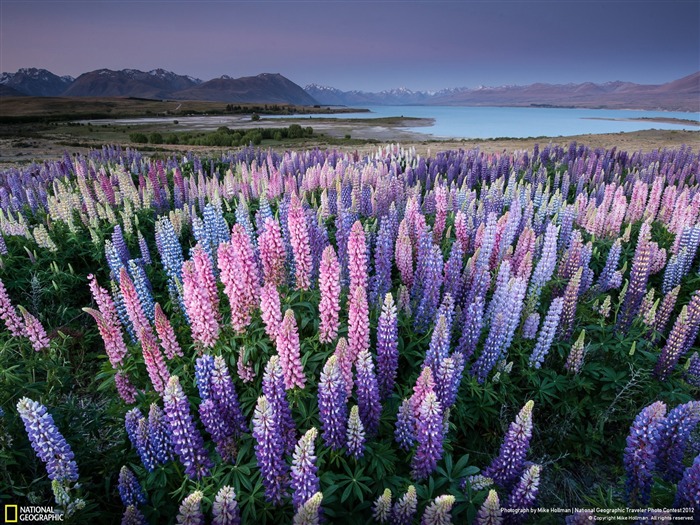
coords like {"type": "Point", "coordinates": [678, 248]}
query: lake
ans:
{"type": "Point", "coordinates": [493, 122]}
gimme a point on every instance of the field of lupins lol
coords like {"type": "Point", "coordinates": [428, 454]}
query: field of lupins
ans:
{"type": "Point", "coordinates": [324, 337]}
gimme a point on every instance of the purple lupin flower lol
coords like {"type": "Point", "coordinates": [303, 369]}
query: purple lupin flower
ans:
{"type": "Point", "coordinates": [331, 404]}
{"type": "Point", "coordinates": [524, 493]}
{"type": "Point", "coordinates": [430, 288]}
{"type": "Point", "coordinates": [387, 347]}
{"type": "Point", "coordinates": [639, 276]}
{"type": "Point", "coordinates": [674, 434]}
{"type": "Point", "coordinates": [190, 512]}
{"type": "Point", "coordinates": [545, 266]}
{"type": "Point", "coordinates": [143, 248]}
{"type": "Point", "coordinates": [447, 379]}
{"type": "Point", "coordinates": [680, 338]}
{"type": "Point", "coordinates": [531, 325]}
{"type": "Point", "coordinates": [438, 512]}
{"type": "Point", "coordinates": [641, 451]}
{"type": "Point", "coordinates": [305, 482]}
{"type": "Point", "coordinates": [186, 439]}
{"type": "Point", "coordinates": [223, 392]}
{"type": "Point", "coordinates": [159, 444]}
{"type": "Point", "coordinates": [509, 463]}
{"type": "Point", "coordinates": [276, 395]}
{"type": "Point", "coordinates": [574, 361]}
{"type": "Point", "coordinates": [471, 327]}
{"type": "Point", "coordinates": [566, 320]}
{"type": "Point", "coordinates": [130, 489]}
{"type": "Point", "coordinates": [137, 430]}
{"type": "Point", "coordinates": [492, 347]}
{"type": "Point", "coordinates": [383, 257]}
{"type": "Point", "coordinates": [219, 430]}
{"type": "Point", "coordinates": [453, 271]}
{"type": "Point", "coordinates": [490, 512]}
{"type": "Point", "coordinates": [607, 275]}
{"type": "Point", "coordinates": [692, 375]}
{"type": "Point", "coordinates": [547, 333]}
{"type": "Point", "coordinates": [356, 434]}
{"type": "Point", "coordinates": [405, 509]}
{"type": "Point", "coordinates": [269, 449]}
{"type": "Point", "coordinates": [133, 516]}
{"type": "Point", "coordinates": [357, 256]}
{"type": "Point", "coordinates": [126, 390]}
{"type": "Point", "coordinates": [367, 392]}
{"type": "Point", "coordinates": [382, 507]}
{"type": "Point", "coordinates": [225, 510]}
{"type": "Point", "coordinates": [429, 426]}
{"type": "Point", "coordinates": [688, 490]}
{"type": "Point", "coordinates": [309, 512]}
{"type": "Point", "coordinates": [404, 433]}
{"type": "Point", "coordinates": [47, 442]}
{"type": "Point", "coordinates": [439, 344]}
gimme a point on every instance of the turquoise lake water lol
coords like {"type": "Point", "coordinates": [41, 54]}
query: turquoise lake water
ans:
{"type": "Point", "coordinates": [493, 122]}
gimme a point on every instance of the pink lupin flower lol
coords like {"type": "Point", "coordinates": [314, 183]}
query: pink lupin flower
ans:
{"type": "Point", "coordinates": [166, 334]}
{"type": "Point", "coordinates": [104, 302]}
{"type": "Point", "coordinates": [358, 323]}
{"type": "Point", "coordinates": [239, 274]}
{"type": "Point", "coordinates": [205, 329]}
{"type": "Point", "coordinates": [425, 384]}
{"type": "Point", "coordinates": [440, 212]}
{"type": "Point", "coordinates": [271, 310]}
{"type": "Point", "coordinates": [34, 331]}
{"type": "Point", "coordinates": [243, 366]}
{"type": "Point", "coordinates": [132, 304]}
{"type": "Point", "coordinates": [155, 364]}
{"type": "Point", "coordinates": [403, 254]}
{"type": "Point", "coordinates": [290, 352]}
{"type": "Point", "coordinates": [329, 305]}
{"type": "Point", "coordinates": [357, 253]}
{"type": "Point", "coordinates": [111, 336]}
{"type": "Point", "coordinates": [9, 314]}
{"type": "Point", "coordinates": [301, 247]}
{"type": "Point", "coordinates": [205, 274]}
{"type": "Point", "coordinates": [124, 387]}
{"type": "Point", "coordinates": [461, 231]}
{"type": "Point", "coordinates": [272, 254]}
{"type": "Point", "coordinates": [344, 364]}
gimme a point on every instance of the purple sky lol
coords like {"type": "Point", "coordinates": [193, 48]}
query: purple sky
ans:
{"type": "Point", "coordinates": [367, 45]}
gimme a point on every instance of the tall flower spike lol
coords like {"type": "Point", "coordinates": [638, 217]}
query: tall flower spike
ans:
{"type": "Point", "coordinates": [358, 323]}
{"type": "Point", "coordinates": [547, 333]}
{"type": "Point", "coordinates": [367, 393]}
{"type": "Point", "coordinates": [190, 512]}
{"type": "Point", "coordinates": [382, 507]}
{"type": "Point", "coordinates": [405, 509]}
{"type": "Point", "coordinates": [166, 334]}
{"type": "Point", "coordinates": [305, 482]}
{"type": "Point", "coordinates": [639, 276]}
{"type": "Point", "coordinates": [333, 411]}
{"type": "Point", "coordinates": [575, 360]}
{"type": "Point", "coordinates": [309, 512]}
{"type": "Point", "coordinates": [566, 321]}
{"type": "Point", "coordinates": [289, 351]}
{"type": "Point", "coordinates": [673, 349]}
{"type": "Point", "coordinates": [133, 516]}
{"type": "Point", "coordinates": [272, 253]}
{"type": "Point", "coordinates": [137, 430]}
{"type": "Point", "coordinates": [429, 437]}
{"type": "Point", "coordinates": [641, 452]}
{"type": "Point", "coordinates": [34, 330]}
{"type": "Point", "coordinates": [153, 357]}
{"type": "Point", "coordinates": [276, 395]}
{"type": "Point", "coordinates": [403, 253]}
{"type": "Point", "coordinates": [387, 347]}
{"type": "Point", "coordinates": [357, 256]}
{"type": "Point", "coordinates": [132, 304]}
{"type": "Point", "coordinates": [438, 512]}
{"type": "Point", "coordinates": [674, 435]}
{"type": "Point", "coordinates": [239, 275]}
{"type": "Point", "coordinates": [8, 313]}
{"type": "Point", "coordinates": [688, 491]}
{"type": "Point", "coordinates": [205, 328]}
{"type": "Point", "coordinates": [126, 390]}
{"type": "Point", "coordinates": [490, 512]}
{"type": "Point", "coordinates": [130, 489]}
{"type": "Point", "coordinates": [329, 305]}
{"type": "Point", "coordinates": [47, 442]}
{"type": "Point", "coordinates": [356, 434]}
{"type": "Point", "coordinates": [271, 310]}
{"type": "Point", "coordinates": [269, 449]}
{"type": "Point", "coordinates": [524, 493]}
{"type": "Point", "coordinates": [186, 439]}
{"type": "Point", "coordinates": [301, 247]}
{"type": "Point", "coordinates": [159, 443]}
{"type": "Point", "coordinates": [405, 424]}
{"type": "Point", "coordinates": [223, 391]}
{"type": "Point", "coordinates": [508, 465]}
{"type": "Point", "coordinates": [225, 510]}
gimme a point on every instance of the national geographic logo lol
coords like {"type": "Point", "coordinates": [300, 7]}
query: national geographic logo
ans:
{"type": "Point", "coordinates": [17, 514]}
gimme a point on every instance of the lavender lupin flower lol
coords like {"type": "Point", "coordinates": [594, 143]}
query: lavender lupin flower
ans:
{"type": "Point", "coordinates": [387, 347]}
{"type": "Point", "coordinates": [508, 465]}
{"type": "Point", "coordinates": [547, 333]}
{"type": "Point", "coordinates": [159, 444]}
{"type": "Point", "coordinates": [305, 482]}
{"type": "Point", "coordinates": [382, 507]}
{"type": "Point", "coordinates": [530, 326]}
{"type": "Point", "coordinates": [438, 512]}
{"type": "Point", "coordinates": [405, 509]}
{"type": "Point", "coordinates": [219, 429]}
{"type": "Point", "coordinates": [674, 434]}
{"type": "Point", "coordinates": [490, 512]}
{"type": "Point", "coordinates": [133, 516]}
{"type": "Point", "coordinates": [639, 276]}
{"type": "Point", "coordinates": [190, 512]}
{"type": "Point", "coordinates": [524, 493]}
{"type": "Point", "coordinates": [574, 361]}
{"type": "Point", "coordinates": [308, 513]}
{"type": "Point", "coordinates": [688, 491]}
{"type": "Point", "coordinates": [429, 426]}
{"type": "Point", "coordinates": [47, 442]}
{"type": "Point", "coordinates": [641, 451]}
{"type": "Point", "coordinates": [130, 489]}
{"type": "Point", "coordinates": [692, 375]}
{"type": "Point", "coordinates": [186, 439]}
{"type": "Point", "coordinates": [471, 327]}
{"type": "Point", "coordinates": [269, 449]}
{"type": "Point", "coordinates": [137, 430]}
{"type": "Point", "coordinates": [356, 434]}
{"type": "Point", "coordinates": [331, 404]}
{"type": "Point", "coordinates": [276, 395]}
{"type": "Point", "coordinates": [383, 257]}
{"type": "Point", "coordinates": [225, 510]}
{"type": "Point", "coordinates": [367, 392]}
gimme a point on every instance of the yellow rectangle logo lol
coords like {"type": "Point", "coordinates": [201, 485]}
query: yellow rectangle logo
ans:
{"type": "Point", "coordinates": [11, 513]}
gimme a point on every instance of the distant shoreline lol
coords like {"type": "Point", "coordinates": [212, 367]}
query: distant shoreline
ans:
{"type": "Point", "coordinates": [663, 120]}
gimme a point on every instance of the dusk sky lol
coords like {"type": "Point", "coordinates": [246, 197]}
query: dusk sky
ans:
{"type": "Point", "coordinates": [366, 45]}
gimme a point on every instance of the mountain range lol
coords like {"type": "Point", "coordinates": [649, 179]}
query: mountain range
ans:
{"type": "Point", "coordinates": [680, 95]}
